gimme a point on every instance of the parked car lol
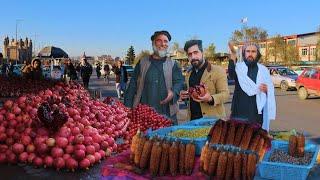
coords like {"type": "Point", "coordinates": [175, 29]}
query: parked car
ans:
{"type": "Point", "coordinates": [300, 69]}
{"type": "Point", "coordinates": [308, 83]}
{"type": "Point", "coordinates": [283, 77]}
{"type": "Point", "coordinates": [129, 69]}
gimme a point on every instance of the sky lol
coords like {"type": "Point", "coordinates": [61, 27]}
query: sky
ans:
{"type": "Point", "coordinates": [111, 26]}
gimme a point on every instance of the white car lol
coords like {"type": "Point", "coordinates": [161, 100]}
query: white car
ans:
{"type": "Point", "coordinates": [283, 77]}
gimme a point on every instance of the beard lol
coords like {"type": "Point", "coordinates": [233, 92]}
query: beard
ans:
{"type": "Point", "coordinates": [250, 58]}
{"type": "Point", "coordinates": [196, 62]}
{"type": "Point", "coordinates": [160, 53]}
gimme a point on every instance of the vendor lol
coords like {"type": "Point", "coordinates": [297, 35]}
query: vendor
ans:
{"type": "Point", "coordinates": [212, 76]}
{"type": "Point", "coordinates": [253, 99]}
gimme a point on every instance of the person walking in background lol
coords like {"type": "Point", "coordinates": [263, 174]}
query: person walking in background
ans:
{"type": "Point", "coordinates": [86, 71]}
{"type": "Point", "coordinates": [106, 69]}
{"type": "Point", "coordinates": [98, 70]}
{"type": "Point", "coordinates": [69, 71]}
{"type": "Point", "coordinates": [4, 67]}
{"type": "Point", "coordinates": [121, 77]}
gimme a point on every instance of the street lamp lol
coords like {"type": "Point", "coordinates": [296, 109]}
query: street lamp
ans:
{"type": "Point", "coordinates": [17, 21]}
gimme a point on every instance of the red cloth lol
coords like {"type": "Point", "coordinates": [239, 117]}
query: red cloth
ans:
{"type": "Point", "coordinates": [108, 170]}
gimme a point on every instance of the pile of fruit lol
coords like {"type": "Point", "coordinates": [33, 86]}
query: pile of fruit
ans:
{"type": "Point", "coordinates": [16, 86]}
{"type": "Point", "coordinates": [242, 135]}
{"type": "Point", "coordinates": [191, 133]}
{"type": "Point", "coordinates": [59, 127]}
{"type": "Point", "coordinates": [62, 127]}
{"type": "Point", "coordinates": [228, 162]}
{"type": "Point", "coordinates": [162, 157]}
{"type": "Point", "coordinates": [144, 117]}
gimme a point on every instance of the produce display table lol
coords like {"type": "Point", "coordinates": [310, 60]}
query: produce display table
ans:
{"type": "Point", "coordinates": [109, 172]}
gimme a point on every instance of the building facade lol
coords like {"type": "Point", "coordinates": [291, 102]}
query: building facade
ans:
{"type": "Point", "coordinates": [304, 44]}
{"type": "Point", "coordinates": [19, 51]}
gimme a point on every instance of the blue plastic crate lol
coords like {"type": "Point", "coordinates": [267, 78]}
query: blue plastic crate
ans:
{"type": "Point", "coordinates": [284, 171]}
{"type": "Point", "coordinates": [205, 121]}
{"type": "Point", "coordinates": [163, 133]}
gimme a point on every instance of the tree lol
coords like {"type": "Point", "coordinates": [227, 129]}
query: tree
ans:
{"type": "Point", "coordinates": [209, 53]}
{"type": "Point", "coordinates": [254, 34]}
{"type": "Point", "coordinates": [292, 54]}
{"type": "Point", "coordinates": [130, 55]}
{"type": "Point", "coordinates": [141, 55]}
{"type": "Point", "coordinates": [277, 48]}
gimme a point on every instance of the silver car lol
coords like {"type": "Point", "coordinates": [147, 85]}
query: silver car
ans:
{"type": "Point", "coordinates": [283, 77]}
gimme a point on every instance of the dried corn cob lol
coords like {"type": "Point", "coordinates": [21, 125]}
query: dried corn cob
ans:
{"type": "Point", "coordinates": [254, 142]}
{"type": "Point", "coordinates": [222, 165]}
{"type": "Point", "coordinates": [292, 145]}
{"type": "Point", "coordinates": [237, 166]}
{"type": "Point", "coordinates": [164, 162]}
{"type": "Point", "coordinates": [263, 151]}
{"type": "Point", "coordinates": [139, 149]}
{"type": "Point", "coordinates": [260, 148]}
{"type": "Point", "coordinates": [216, 132]}
{"type": "Point", "coordinates": [189, 157]}
{"type": "Point", "coordinates": [231, 133]}
{"type": "Point", "coordinates": [174, 158]}
{"type": "Point", "coordinates": [244, 159]}
{"type": "Point", "coordinates": [206, 159]}
{"type": "Point", "coordinates": [246, 137]}
{"type": "Point", "coordinates": [213, 162]}
{"type": "Point", "coordinates": [155, 158]}
{"type": "Point", "coordinates": [182, 152]}
{"type": "Point", "coordinates": [204, 152]}
{"type": "Point", "coordinates": [229, 169]}
{"type": "Point", "coordinates": [300, 145]}
{"type": "Point", "coordinates": [223, 133]}
{"type": "Point", "coordinates": [134, 143]}
{"type": "Point", "coordinates": [146, 153]}
{"type": "Point", "coordinates": [239, 133]}
{"type": "Point", "coordinates": [251, 166]}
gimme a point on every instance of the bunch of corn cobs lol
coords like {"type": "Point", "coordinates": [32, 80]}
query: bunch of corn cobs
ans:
{"type": "Point", "coordinates": [228, 162]}
{"type": "Point", "coordinates": [238, 146]}
{"type": "Point", "coordinates": [162, 157]}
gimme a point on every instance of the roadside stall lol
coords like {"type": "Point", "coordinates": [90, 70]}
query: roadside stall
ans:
{"type": "Point", "coordinates": [59, 129]}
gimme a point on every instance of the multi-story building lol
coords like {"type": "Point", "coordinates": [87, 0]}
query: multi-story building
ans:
{"type": "Point", "coordinates": [17, 50]}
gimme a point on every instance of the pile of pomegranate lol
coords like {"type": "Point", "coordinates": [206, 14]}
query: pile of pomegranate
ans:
{"type": "Point", "coordinates": [144, 117]}
{"type": "Point", "coordinates": [63, 128]}
{"type": "Point", "coordinates": [17, 86]}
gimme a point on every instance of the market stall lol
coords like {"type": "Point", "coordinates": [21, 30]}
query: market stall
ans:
{"type": "Point", "coordinates": [59, 127]}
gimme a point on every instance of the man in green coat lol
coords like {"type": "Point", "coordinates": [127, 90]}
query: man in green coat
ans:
{"type": "Point", "coordinates": [156, 80]}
